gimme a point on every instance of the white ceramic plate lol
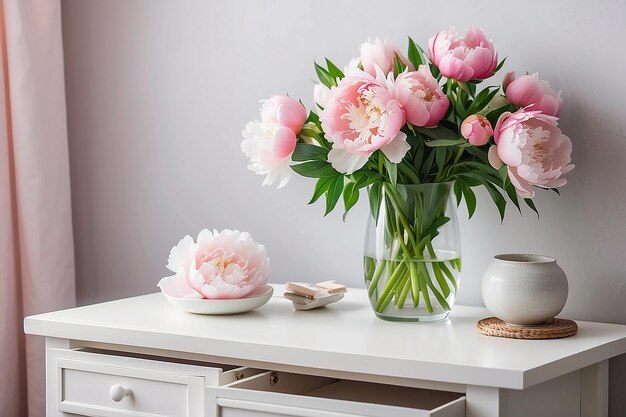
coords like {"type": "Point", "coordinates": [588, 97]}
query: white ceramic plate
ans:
{"type": "Point", "coordinates": [221, 307]}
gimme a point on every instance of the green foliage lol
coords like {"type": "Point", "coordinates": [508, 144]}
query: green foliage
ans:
{"type": "Point", "coordinates": [315, 169]}
{"type": "Point", "coordinates": [414, 54]}
{"type": "Point", "coordinates": [333, 193]}
{"type": "Point", "coordinates": [333, 70]}
{"type": "Point", "coordinates": [398, 65]}
{"type": "Point", "coordinates": [307, 152]}
{"type": "Point", "coordinates": [324, 76]}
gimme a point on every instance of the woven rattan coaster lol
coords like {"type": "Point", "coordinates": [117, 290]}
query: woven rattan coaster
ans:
{"type": "Point", "coordinates": [551, 329]}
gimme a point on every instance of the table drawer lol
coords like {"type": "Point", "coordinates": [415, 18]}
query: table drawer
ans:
{"type": "Point", "coordinates": [294, 395]}
{"type": "Point", "coordinates": [108, 385]}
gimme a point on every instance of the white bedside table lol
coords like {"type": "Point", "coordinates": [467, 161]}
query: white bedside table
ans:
{"type": "Point", "coordinates": [142, 357]}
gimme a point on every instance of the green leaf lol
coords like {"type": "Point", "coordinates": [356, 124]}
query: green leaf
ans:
{"type": "Point", "coordinates": [392, 169]}
{"type": "Point", "coordinates": [320, 188]}
{"type": "Point", "coordinates": [334, 193]}
{"type": "Point", "coordinates": [458, 191]}
{"type": "Point", "coordinates": [504, 174]}
{"type": "Point", "coordinates": [494, 115]}
{"type": "Point", "coordinates": [444, 142]}
{"type": "Point", "coordinates": [510, 191]}
{"type": "Point", "coordinates": [333, 70]}
{"type": "Point", "coordinates": [500, 65]}
{"type": "Point", "coordinates": [315, 169]}
{"type": "Point", "coordinates": [470, 200]}
{"type": "Point", "coordinates": [472, 89]}
{"type": "Point", "coordinates": [478, 153]}
{"type": "Point", "coordinates": [497, 198]}
{"type": "Point", "coordinates": [435, 71]}
{"type": "Point", "coordinates": [529, 202]}
{"type": "Point", "coordinates": [313, 117]}
{"type": "Point", "coordinates": [374, 199]}
{"type": "Point", "coordinates": [441, 156]}
{"type": "Point", "coordinates": [398, 65]}
{"type": "Point", "coordinates": [482, 99]}
{"type": "Point", "coordinates": [350, 197]}
{"type": "Point", "coordinates": [418, 157]}
{"type": "Point", "coordinates": [308, 152]}
{"type": "Point", "coordinates": [407, 171]}
{"type": "Point", "coordinates": [428, 164]}
{"type": "Point", "coordinates": [438, 132]}
{"type": "Point", "coordinates": [436, 225]}
{"type": "Point", "coordinates": [364, 178]}
{"type": "Point", "coordinates": [324, 76]}
{"type": "Point", "coordinates": [556, 190]}
{"type": "Point", "coordinates": [414, 54]}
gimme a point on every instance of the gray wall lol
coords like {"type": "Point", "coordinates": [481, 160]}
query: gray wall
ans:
{"type": "Point", "coordinates": [159, 91]}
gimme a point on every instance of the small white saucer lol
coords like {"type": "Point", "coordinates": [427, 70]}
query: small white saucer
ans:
{"type": "Point", "coordinates": [225, 306]}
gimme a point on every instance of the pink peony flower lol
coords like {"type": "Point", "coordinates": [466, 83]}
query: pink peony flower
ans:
{"type": "Point", "coordinates": [270, 142]}
{"type": "Point", "coordinates": [421, 97]}
{"type": "Point", "coordinates": [476, 129]}
{"type": "Point", "coordinates": [378, 53]}
{"type": "Point", "coordinates": [226, 264]}
{"type": "Point", "coordinates": [361, 116]}
{"type": "Point", "coordinates": [529, 90]}
{"type": "Point", "coordinates": [471, 57]}
{"type": "Point", "coordinates": [534, 149]}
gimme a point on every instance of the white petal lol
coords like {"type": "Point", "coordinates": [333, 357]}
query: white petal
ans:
{"type": "Point", "coordinates": [346, 162]}
{"type": "Point", "coordinates": [176, 286]}
{"type": "Point", "coordinates": [321, 93]}
{"type": "Point", "coordinates": [180, 254]}
{"type": "Point", "coordinates": [397, 148]}
{"type": "Point", "coordinates": [493, 157]}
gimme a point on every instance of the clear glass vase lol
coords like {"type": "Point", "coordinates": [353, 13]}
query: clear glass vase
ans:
{"type": "Point", "coordinates": [412, 255]}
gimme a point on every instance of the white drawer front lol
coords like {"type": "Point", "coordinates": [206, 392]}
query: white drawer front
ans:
{"type": "Point", "coordinates": [94, 384]}
{"type": "Point", "coordinates": [293, 395]}
{"type": "Point", "coordinates": [150, 393]}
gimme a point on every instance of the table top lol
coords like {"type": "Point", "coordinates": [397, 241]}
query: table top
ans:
{"type": "Point", "coordinates": [345, 336]}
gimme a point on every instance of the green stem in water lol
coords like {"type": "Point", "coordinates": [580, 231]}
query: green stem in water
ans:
{"type": "Point", "coordinates": [415, 285]}
{"type": "Point", "coordinates": [400, 214]}
{"type": "Point", "coordinates": [401, 298]}
{"type": "Point", "coordinates": [382, 302]}
{"type": "Point", "coordinates": [423, 273]}
{"type": "Point", "coordinates": [377, 274]}
{"type": "Point", "coordinates": [448, 274]}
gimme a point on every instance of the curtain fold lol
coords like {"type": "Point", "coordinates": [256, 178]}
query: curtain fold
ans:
{"type": "Point", "coordinates": [36, 244]}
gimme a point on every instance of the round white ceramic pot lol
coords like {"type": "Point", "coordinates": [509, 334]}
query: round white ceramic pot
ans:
{"type": "Point", "coordinates": [524, 289]}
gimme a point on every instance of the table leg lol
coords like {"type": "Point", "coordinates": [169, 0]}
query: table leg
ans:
{"type": "Point", "coordinates": [52, 378]}
{"type": "Point", "coordinates": [594, 390]}
{"type": "Point", "coordinates": [482, 401]}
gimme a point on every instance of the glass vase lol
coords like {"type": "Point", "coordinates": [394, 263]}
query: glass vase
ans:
{"type": "Point", "coordinates": [412, 254]}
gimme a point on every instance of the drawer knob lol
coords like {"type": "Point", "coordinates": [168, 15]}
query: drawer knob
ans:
{"type": "Point", "coordinates": [118, 392]}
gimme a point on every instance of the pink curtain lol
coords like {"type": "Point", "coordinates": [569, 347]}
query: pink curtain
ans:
{"type": "Point", "coordinates": [36, 247]}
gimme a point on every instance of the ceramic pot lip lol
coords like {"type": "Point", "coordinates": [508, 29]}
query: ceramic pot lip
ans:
{"type": "Point", "coordinates": [524, 258]}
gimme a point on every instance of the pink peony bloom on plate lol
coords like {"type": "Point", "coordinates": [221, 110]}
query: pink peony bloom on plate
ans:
{"type": "Point", "coordinates": [471, 57]}
{"type": "Point", "coordinates": [421, 97]}
{"type": "Point", "coordinates": [535, 151]}
{"type": "Point", "coordinates": [529, 91]}
{"type": "Point", "coordinates": [361, 116]}
{"type": "Point", "coordinates": [220, 265]}
{"type": "Point", "coordinates": [378, 53]}
{"type": "Point", "coordinates": [270, 142]}
{"type": "Point", "coordinates": [476, 129]}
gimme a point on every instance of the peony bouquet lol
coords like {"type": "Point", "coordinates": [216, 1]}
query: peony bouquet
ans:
{"type": "Point", "coordinates": [416, 131]}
